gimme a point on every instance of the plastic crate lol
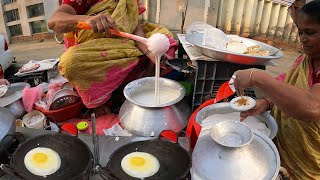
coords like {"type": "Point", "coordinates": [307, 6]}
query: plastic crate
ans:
{"type": "Point", "coordinates": [210, 75]}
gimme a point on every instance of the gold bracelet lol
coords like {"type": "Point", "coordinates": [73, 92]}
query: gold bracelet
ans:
{"type": "Point", "coordinates": [269, 105]}
{"type": "Point", "coordinates": [146, 52]}
{"type": "Point", "coordinates": [251, 77]}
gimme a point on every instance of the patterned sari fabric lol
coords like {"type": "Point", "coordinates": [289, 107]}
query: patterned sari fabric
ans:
{"type": "Point", "coordinates": [298, 142]}
{"type": "Point", "coordinates": [96, 66]}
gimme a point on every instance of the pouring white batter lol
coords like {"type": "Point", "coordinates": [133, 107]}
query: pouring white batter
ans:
{"type": "Point", "coordinates": [158, 44]}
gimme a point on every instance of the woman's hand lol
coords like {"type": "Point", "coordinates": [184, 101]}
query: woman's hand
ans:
{"type": "Point", "coordinates": [4, 82]}
{"type": "Point", "coordinates": [242, 80]}
{"type": "Point", "coordinates": [102, 23]}
{"type": "Point", "coordinates": [143, 48]}
{"type": "Point", "coordinates": [260, 107]}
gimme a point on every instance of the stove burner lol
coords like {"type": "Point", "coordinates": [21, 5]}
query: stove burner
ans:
{"type": "Point", "coordinates": [18, 138]}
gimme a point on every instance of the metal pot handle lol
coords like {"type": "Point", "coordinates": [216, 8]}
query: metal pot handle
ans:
{"type": "Point", "coordinates": [105, 173]}
{"type": "Point", "coordinates": [169, 135]}
{"type": "Point", "coordinates": [69, 128]}
{"type": "Point", "coordinates": [9, 170]}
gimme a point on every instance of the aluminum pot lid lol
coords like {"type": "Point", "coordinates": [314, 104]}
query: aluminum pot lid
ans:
{"type": "Point", "coordinates": [7, 122]}
{"type": "Point", "coordinates": [258, 160]}
{"type": "Point", "coordinates": [13, 94]}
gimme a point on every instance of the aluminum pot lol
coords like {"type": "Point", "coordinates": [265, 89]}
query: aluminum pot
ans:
{"type": "Point", "coordinates": [150, 120]}
{"type": "Point", "coordinates": [12, 99]}
{"type": "Point", "coordinates": [257, 160]}
{"type": "Point", "coordinates": [17, 109]}
{"type": "Point", "coordinates": [7, 128]}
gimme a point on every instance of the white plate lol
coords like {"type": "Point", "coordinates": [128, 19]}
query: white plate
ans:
{"type": "Point", "coordinates": [236, 106]}
{"type": "Point", "coordinates": [3, 90]}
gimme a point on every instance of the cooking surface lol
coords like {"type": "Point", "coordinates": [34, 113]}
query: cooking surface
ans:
{"type": "Point", "coordinates": [107, 145]}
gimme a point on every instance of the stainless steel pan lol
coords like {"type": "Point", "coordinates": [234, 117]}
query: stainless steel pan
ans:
{"type": "Point", "coordinates": [196, 39]}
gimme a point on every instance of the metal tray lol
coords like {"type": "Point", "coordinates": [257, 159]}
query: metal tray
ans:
{"type": "Point", "coordinates": [224, 108]}
{"type": "Point", "coordinates": [13, 94]}
{"type": "Point", "coordinates": [232, 57]}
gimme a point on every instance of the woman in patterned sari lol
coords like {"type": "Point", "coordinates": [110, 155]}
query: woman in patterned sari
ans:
{"type": "Point", "coordinates": [295, 102]}
{"type": "Point", "coordinates": [97, 63]}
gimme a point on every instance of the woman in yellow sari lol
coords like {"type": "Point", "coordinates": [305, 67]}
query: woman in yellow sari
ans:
{"type": "Point", "coordinates": [295, 102]}
{"type": "Point", "coordinates": [97, 63]}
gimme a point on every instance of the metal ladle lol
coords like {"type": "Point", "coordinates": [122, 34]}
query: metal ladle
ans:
{"type": "Point", "coordinates": [96, 155]}
{"type": "Point", "coordinates": [104, 173]}
{"type": "Point", "coordinates": [83, 25]}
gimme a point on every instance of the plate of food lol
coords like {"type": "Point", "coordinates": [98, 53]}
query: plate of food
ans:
{"type": "Point", "coordinates": [29, 67]}
{"type": "Point", "coordinates": [242, 103]}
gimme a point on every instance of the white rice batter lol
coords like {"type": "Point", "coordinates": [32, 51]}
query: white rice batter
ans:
{"type": "Point", "coordinates": [147, 97]}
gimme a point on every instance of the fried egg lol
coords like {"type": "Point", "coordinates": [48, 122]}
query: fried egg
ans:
{"type": "Point", "coordinates": [140, 164]}
{"type": "Point", "coordinates": [42, 161]}
{"type": "Point", "coordinates": [242, 103]}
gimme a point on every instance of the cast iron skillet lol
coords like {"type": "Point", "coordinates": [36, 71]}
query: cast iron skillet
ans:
{"type": "Point", "coordinates": [175, 161]}
{"type": "Point", "coordinates": [76, 157]}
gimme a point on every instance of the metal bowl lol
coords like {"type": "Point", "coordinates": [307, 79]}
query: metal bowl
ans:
{"type": "Point", "coordinates": [67, 85]}
{"type": "Point", "coordinates": [63, 98]}
{"type": "Point", "coordinates": [232, 57]}
{"type": "Point", "coordinates": [148, 83]}
{"type": "Point", "coordinates": [225, 110]}
{"type": "Point", "coordinates": [231, 134]}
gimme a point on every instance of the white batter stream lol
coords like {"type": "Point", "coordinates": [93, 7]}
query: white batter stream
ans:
{"type": "Point", "coordinates": [158, 44]}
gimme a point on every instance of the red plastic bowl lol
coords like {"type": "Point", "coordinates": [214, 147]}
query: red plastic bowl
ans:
{"type": "Point", "coordinates": [63, 114]}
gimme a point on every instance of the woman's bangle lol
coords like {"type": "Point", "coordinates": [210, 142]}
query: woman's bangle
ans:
{"type": "Point", "coordinates": [251, 77]}
{"type": "Point", "coordinates": [146, 52]}
{"type": "Point", "coordinates": [269, 105]}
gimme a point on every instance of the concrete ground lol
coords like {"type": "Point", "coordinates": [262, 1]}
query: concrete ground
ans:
{"type": "Point", "coordinates": [50, 49]}
{"type": "Point", "coordinates": [36, 50]}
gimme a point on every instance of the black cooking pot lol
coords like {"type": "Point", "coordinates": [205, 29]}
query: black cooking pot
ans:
{"type": "Point", "coordinates": [175, 161]}
{"type": "Point", "coordinates": [76, 158]}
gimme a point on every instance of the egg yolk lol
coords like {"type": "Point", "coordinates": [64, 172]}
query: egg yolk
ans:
{"type": "Point", "coordinates": [40, 158]}
{"type": "Point", "coordinates": [137, 161]}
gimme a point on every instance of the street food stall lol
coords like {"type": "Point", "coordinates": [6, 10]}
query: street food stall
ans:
{"type": "Point", "coordinates": [146, 139]}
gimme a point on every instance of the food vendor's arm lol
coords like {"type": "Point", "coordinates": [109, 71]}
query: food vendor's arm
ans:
{"type": "Point", "coordinates": [65, 19]}
{"type": "Point", "coordinates": [295, 102]}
